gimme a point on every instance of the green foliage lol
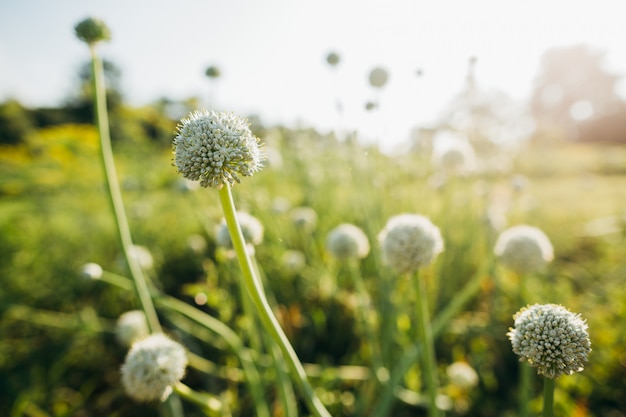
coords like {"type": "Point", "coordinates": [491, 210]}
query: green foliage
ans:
{"type": "Point", "coordinates": [58, 355]}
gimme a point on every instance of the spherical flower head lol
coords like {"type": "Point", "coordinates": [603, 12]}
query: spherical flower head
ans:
{"type": "Point", "coordinates": [152, 367]}
{"type": "Point", "coordinates": [333, 58]}
{"type": "Point", "coordinates": [462, 375]}
{"type": "Point", "coordinates": [378, 77]}
{"type": "Point", "coordinates": [410, 242]}
{"type": "Point", "coordinates": [251, 228]}
{"type": "Point", "coordinates": [131, 326]}
{"type": "Point", "coordinates": [524, 249]}
{"type": "Point", "coordinates": [347, 241]}
{"type": "Point", "coordinates": [91, 271]}
{"type": "Point", "coordinates": [216, 149]}
{"type": "Point", "coordinates": [92, 30]}
{"type": "Point", "coordinates": [550, 338]}
{"type": "Point", "coordinates": [212, 72]}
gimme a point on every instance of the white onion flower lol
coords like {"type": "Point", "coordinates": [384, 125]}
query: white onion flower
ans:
{"type": "Point", "coordinates": [462, 375]}
{"type": "Point", "coordinates": [347, 241]}
{"type": "Point", "coordinates": [550, 338]}
{"type": "Point", "coordinates": [153, 366]}
{"type": "Point", "coordinates": [216, 149]}
{"type": "Point", "coordinates": [130, 327]}
{"type": "Point", "coordinates": [524, 249]}
{"type": "Point", "coordinates": [410, 242]}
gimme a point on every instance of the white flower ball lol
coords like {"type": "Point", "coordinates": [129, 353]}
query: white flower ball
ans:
{"type": "Point", "coordinates": [524, 249]}
{"type": "Point", "coordinates": [410, 242]}
{"type": "Point", "coordinates": [347, 241]}
{"type": "Point", "coordinates": [152, 367]}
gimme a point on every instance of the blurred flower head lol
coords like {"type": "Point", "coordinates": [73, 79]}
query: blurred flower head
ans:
{"type": "Point", "coordinates": [410, 242]}
{"type": "Point", "coordinates": [91, 271]}
{"type": "Point", "coordinates": [550, 338]}
{"type": "Point", "coordinates": [131, 326]}
{"type": "Point", "coordinates": [524, 249]}
{"type": "Point", "coordinates": [212, 72]}
{"type": "Point", "coordinates": [92, 30]}
{"type": "Point", "coordinates": [304, 218]}
{"type": "Point", "coordinates": [453, 153]}
{"type": "Point", "coordinates": [462, 375]}
{"type": "Point", "coordinates": [333, 59]}
{"type": "Point", "coordinates": [152, 367]}
{"type": "Point", "coordinates": [196, 243]}
{"type": "Point", "coordinates": [143, 256]}
{"type": "Point", "coordinates": [347, 241]}
{"type": "Point", "coordinates": [251, 228]}
{"type": "Point", "coordinates": [216, 149]}
{"type": "Point", "coordinates": [293, 260]}
{"type": "Point", "coordinates": [378, 77]}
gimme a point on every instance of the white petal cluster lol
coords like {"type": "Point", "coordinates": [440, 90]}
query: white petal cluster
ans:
{"type": "Point", "coordinates": [251, 228]}
{"type": "Point", "coordinates": [216, 149]}
{"type": "Point", "coordinates": [410, 242]}
{"type": "Point", "coordinates": [550, 338]}
{"type": "Point", "coordinates": [131, 326]}
{"type": "Point", "coordinates": [152, 367]}
{"type": "Point", "coordinates": [524, 249]}
{"type": "Point", "coordinates": [347, 241]}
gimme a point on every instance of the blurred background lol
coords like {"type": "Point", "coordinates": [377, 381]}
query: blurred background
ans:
{"type": "Point", "coordinates": [271, 56]}
{"type": "Point", "coordinates": [478, 114]}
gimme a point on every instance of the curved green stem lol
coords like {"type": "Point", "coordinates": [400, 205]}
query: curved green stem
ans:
{"type": "Point", "coordinates": [268, 320]}
{"type": "Point", "coordinates": [429, 361]}
{"type": "Point", "coordinates": [115, 195]}
{"type": "Point", "coordinates": [211, 405]}
{"type": "Point", "coordinates": [548, 397]}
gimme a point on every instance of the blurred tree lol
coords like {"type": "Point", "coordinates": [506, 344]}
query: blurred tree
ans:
{"type": "Point", "coordinates": [490, 119]}
{"type": "Point", "coordinates": [80, 103]}
{"type": "Point", "coordinates": [15, 123]}
{"type": "Point", "coordinates": [571, 86]}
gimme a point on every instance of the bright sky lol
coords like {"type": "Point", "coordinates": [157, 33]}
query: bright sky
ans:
{"type": "Point", "coordinates": [272, 53]}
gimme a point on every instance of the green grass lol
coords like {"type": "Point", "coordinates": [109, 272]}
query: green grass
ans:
{"type": "Point", "coordinates": [58, 356]}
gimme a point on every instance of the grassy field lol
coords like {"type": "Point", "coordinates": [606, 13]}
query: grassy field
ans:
{"type": "Point", "coordinates": [58, 353]}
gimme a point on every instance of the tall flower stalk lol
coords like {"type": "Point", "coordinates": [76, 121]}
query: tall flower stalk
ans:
{"type": "Point", "coordinates": [217, 149]}
{"type": "Point", "coordinates": [524, 250]}
{"type": "Point", "coordinates": [92, 31]}
{"type": "Point", "coordinates": [411, 242]}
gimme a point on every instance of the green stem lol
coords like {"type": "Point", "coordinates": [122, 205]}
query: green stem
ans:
{"type": "Point", "coordinates": [364, 309]}
{"type": "Point", "coordinates": [268, 320]}
{"type": "Point", "coordinates": [524, 388]}
{"type": "Point", "coordinates": [115, 195]}
{"type": "Point", "coordinates": [410, 356]}
{"type": "Point", "coordinates": [378, 371]}
{"type": "Point", "coordinates": [548, 397]}
{"type": "Point", "coordinates": [429, 361]}
{"type": "Point", "coordinates": [211, 405]}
